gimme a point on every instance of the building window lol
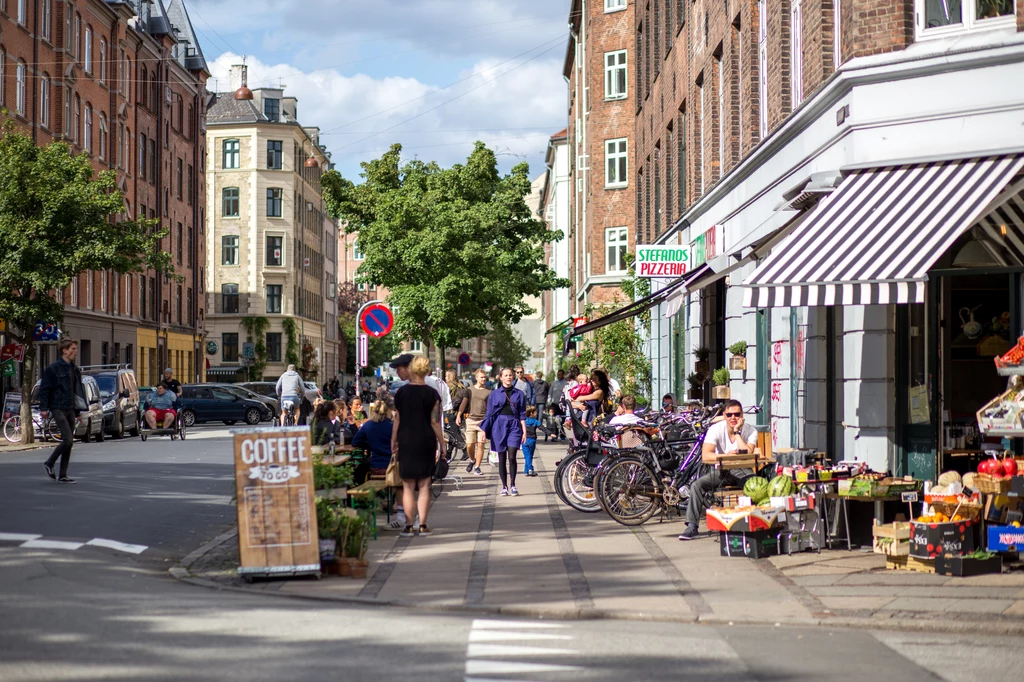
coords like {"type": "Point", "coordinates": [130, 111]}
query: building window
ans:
{"type": "Point", "coordinates": [357, 251]}
{"type": "Point", "coordinates": [942, 17]}
{"type": "Point", "coordinates": [180, 240]}
{"type": "Point", "coordinates": [230, 202]}
{"type": "Point", "coordinates": [721, 117]}
{"type": "Point", "coordinates": [88, 49]}
{"type": "Point", "coordinates": [44, 100]}
{"type": "Point", "coordinates": [103, 137]}
{"type": "Point", "coordinates": [21, 75]}
{"type": "Point", "coordinates": [128, 296]}
{"type": "Point", "coordinates": [614, 5]}
{"type": "Point", "coordinates": [229, 341]}
{"type": "Point", "coordinates": [616, 163]}
{"type": "Point", "coordinates": [762, 65]}
{"type": "Point", "coordinates": [837, 34]}
{"type": "Point", "coordinates": [179, 178]}
{"type": "Point", "coordinates": [231, 154]}
{"type": "Point", "coordinates": [229, 298]}
{"type": "Point", "coordinates": [275, 247]}
{"type": "Point", "coordinates": [275, 155]}
{"type": "Point", "coordinates": [3, 72]}
{"type": "Point", "coordinates": [87, 129]}
{"type": "Point", "coordinates": [103, 290]}
{"type": "Point", "coordinates": [22, 12]}
{"type": "Point", "coordinates": [76, 133]}
{"type": "Point", "coordinates": [191, 238]}
{"type": "Point", "coordinates": [103, 60]}
{"type": "Point", "coordinates": [615, 75]}
{"type": "Point", "coordinates": [229, 249]}
{"type": "Point", "coordinates": [45, 18]}
{"type": "Point", "coordinates": [273, 346]}
{"type": "Point", "coordinates": [191, 184]}
{"type": "Point", "coordinates": [797, 55]}
{"type": "Point", "coordinates": [272, 109]}
{"type": "Point", "coordinates": [616, 242]}
{"type": "Point", "coordinates": [274, 298]}
{"type": "Point", "coordinates": [274, 201]}
{"type": "Point", "coordinates": [178, 306]}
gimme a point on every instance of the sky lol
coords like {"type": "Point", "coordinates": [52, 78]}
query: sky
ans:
{"type": "Point", "coordinates": [433, 75]}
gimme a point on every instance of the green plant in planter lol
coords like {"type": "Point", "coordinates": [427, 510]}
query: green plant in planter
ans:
{"type": "Point", "coordinates": [696, 380]}
{"type": "Point", "coordinates": [739, 348]}
{"type": "Point", "coordinates": [328, 477]}
{"type": "Point", "coordinates": [352, 535]}
{"type": "Point", "coordinates": [721, 376]}
{"type": "Point", "coordinates": [327, 519]}
{"type": "Point", "coordinates": [702, 353]}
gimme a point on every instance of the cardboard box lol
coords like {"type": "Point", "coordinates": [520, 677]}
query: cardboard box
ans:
{"type": "Point", "coordinates": [744, 519]}
{"type": "Point", "coordinates": [962, 566]}
{"type": "Point", "coordinates": [1005, 539]}
{"type": "Point", "coordinates": [755, 545]}
{"type": "Point", "coordinates": [930, 540]}
{"type": "Point", "coordinates": [997, 507]}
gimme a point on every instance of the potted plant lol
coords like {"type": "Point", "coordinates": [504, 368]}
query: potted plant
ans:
{"type": "Point", "coordinates": [327, 522]}
{"type": "Point", "coordinates": [332, 482]}
{"type": "Point", "coordinates": [356, 541]}
{"type": "Point", "coordinates": [696, 382]}
{"type": "Point", "coordinates": [702, 353]}
{"type": "Point", "coordinates": [739, 356]}
{"type": "Point", "coordinates": [721, 378]}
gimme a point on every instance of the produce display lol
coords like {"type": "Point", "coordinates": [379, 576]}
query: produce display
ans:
{"type": "Point", "coordinates": [1004, 413]}
{"type": "Point", "coordinates": [1013, 358]}
{"type": "Point", "coordinates": [780, 486]}
{"type": "Point", "coordinates": [756, 488]}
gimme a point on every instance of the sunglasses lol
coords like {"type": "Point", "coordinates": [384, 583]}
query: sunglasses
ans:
{"type": "Point", "coordinates": [733, 415]}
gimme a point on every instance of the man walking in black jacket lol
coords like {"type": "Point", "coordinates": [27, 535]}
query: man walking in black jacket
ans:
{"type": "Point", "coordinates": [58, 390]}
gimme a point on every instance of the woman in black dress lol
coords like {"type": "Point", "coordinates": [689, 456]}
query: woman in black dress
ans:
{"type": "Point", "coordinates": [417, 438]}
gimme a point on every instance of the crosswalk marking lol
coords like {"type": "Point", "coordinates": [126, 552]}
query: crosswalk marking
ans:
{"type": "Point", "coordinates": [507, 667]}
{"type": "Point", "coordinates": [119, 546]}
{"type": "Point", "coordinates": [500, 636]}
{"type": "Point", "coordinates": [513, 647]}
{"type": "Point", "coordinates": [514, 625]}
{"type": "Point", "coordinates": [34, 541]}
{"type": "Point", "coordinates": [484, 650]}
{"type": "Point", "coordinates": [52, 544]}
{"type": "Point", "coordinates": [18, 537]}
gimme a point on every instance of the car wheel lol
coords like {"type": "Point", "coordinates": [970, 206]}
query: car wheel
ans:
{"type": "Point", "coordinates": [118, 427]}
{"type": "Point", "coordinates": [88, 432]}
{"type": "Point", "coordinates": [252, 416]}
{"type": "Point", "coordinates": [101, 434]}
{"type": "Point", "coordinates": [230, 422]}
{"type": "Point", "coordinates": [188, 417]}
{"type": "Point", "coordinates": [136, 428]}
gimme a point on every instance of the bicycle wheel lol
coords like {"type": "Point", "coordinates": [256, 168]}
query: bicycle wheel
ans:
{"type": "Point", "coordinates": [50, 430]}
{"type": "Point", "coordinates": [571, 486]}
{"type": "Point", "coordinates": [12, 429]}
{"type": "Point", "coordinates": [631, 491]}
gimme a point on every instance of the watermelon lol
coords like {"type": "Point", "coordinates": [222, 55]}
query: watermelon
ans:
{"type": "Point", "coordinates": [780, 486]}
{"type": "Point", "coordinates": [756, 488]}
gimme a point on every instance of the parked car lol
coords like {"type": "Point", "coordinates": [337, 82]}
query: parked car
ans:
{"type": "Point", "coordinates": [202, 403]}
{"type": "Point", "coordinates": [247, 393]}
{"type": "Point", "coordinates": [269, 389]}
{"type": "Point", "coordinates": [90, 422]}
{"type": "Point", "coordinates": [120, 395]}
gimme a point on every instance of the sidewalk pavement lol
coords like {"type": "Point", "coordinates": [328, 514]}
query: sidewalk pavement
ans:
{"type": "Point", "coordinates": [532, 555]}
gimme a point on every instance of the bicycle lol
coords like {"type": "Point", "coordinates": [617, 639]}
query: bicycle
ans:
{"type": "Point", "coordinates": [289, 415]}
{"type": "Point", "coordinates": [45, 427]}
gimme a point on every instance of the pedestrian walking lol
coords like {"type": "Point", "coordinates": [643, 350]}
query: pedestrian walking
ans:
{"type": "Point", "coordinates": [505, 426]}
{"type": "Point", "coordinates": [417, 437]}
{"type": "Point", "coordinates": [555, 404]}
{"type": "Point", "coordinates": [523, 384]}
{"type": "Point", "coordinates": [456, 391]}
{"type": "Point", "coordinates": [474, 409]}
{"type": "Point", "coordinates": [60, 394]}
{"type": "Point", "coordinates": [530, 444]}
{"type": "Point", "coordinates": [540, 392]}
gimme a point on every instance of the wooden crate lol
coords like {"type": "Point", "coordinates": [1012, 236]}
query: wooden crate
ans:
{"type": "Point", "coordinates": [909, 563]}
{"type": "Point", "coordinates": [891, 539]}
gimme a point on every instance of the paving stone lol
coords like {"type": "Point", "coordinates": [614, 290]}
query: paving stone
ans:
{"type": "Point", "coordinates": [855, 603]}
{"type": "Point", "coordinates": [978, 605]}
{"type": "Point", "coordinates": [865, 562]}
{"type": "Point", "coordinates": [815, 580]}
{"type": "Point", "coordinates": [917, 604]}
{"type": "Point", "coordinates": [893, 578]}
{"type": "Point", "coordinates": [819, 569]}
{"type": "Point", "coordinates": [857, 591]}
{"type": "Point", "coordinates": [1016, 609]}
{"type": "Point", "coordinates": [786, 561]}
{"type": "Point", "coordinates": [994, 580]}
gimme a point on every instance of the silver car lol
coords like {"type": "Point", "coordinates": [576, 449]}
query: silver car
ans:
{"type": "Point", "coordinates": [90, 417]}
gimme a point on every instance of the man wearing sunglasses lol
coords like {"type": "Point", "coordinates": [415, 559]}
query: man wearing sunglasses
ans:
{"type": "Point", "coordinates": [730, 435]}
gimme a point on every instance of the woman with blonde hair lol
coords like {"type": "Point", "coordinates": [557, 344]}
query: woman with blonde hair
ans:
{"type": "Point", "coordinates": [417, 437]}
{"type": "Point", "coordinates": [374, 437]}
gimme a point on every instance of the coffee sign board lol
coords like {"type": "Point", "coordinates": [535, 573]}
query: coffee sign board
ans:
{"type": "Point", "coordinates": [277, 532]}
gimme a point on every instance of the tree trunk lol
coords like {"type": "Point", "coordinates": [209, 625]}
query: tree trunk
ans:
{"type": "Point", "coordinates": [440, 361]}
{"type": "Point", "coordinates": [28, 431]}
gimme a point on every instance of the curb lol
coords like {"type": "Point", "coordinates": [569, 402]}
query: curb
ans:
{"type": "Point", "coordinates": [182, 572]}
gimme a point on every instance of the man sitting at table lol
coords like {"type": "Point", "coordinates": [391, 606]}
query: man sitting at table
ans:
{"type": "Point", "coordinates": [729, 436]}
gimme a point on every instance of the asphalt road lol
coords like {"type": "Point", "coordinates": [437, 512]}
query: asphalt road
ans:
{"type": "Point", "coordinates": [95, 613]}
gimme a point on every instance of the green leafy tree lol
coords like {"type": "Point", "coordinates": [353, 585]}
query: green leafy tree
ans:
{"type": "Point", "coordinates": [458, 248]}
{"type": "Point", "coordinates": [58, 218]}
{"type": "Point", "coordinates": [507, 346]}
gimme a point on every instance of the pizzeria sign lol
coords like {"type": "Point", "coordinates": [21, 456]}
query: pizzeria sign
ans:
{"type": "Point", "coordinates": [662, 261]}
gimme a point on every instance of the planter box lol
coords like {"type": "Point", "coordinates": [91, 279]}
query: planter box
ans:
{"type": "Point", "coordinates": [738, 362]}
{"type": "Point", "coordinates": [962, 566]}
{"type": "Point", "coordinates": [756, 545]}
{"type": "Point", "coordinates": [333, 493]}
{"type": "Point", "coordinates": [721, 392]}
{"type": "Point", "coordinates": [702, 368]}
{"type": "Point", "coordinates": [695, 394]}
{"type": "Point", "coordinates": [930, 540]}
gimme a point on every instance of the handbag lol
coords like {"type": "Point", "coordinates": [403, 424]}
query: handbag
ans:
{"type": "Point", "coordinates": [392, 478]}
{"type": "Point", "coordinates": [441, 469]}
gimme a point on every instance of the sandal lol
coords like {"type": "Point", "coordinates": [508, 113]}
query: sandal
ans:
{"type": "Point", "coordinates": [425, 530]}
{"type": "Point", "coordinates": [406, 532]}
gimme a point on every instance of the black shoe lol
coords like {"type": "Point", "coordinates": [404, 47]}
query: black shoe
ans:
{"type": "Point", "coordinates": [49, 471]}
{"type": "Point", "coordinates": [689, 534]}
{"type": "Point", "coordinates": [469, 467]}
{"type": "Point", "coordinates": [65, 479]}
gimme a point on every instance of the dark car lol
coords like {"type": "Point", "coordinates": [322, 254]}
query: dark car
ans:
{"type": "Point", "coordinates": [248, 393]}
{"type": "Point", "coordinates": [210, 403]}
{"type": "Point", "coordinates": [119, 394]}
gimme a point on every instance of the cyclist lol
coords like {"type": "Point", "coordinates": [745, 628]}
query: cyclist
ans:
{"type": "Point", "coordinates": [160, 412]}
{"type": "Point", "coordinates": [289, 392]}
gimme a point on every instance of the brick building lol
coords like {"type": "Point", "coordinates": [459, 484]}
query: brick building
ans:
{"type": "Point", "coordinates": [554, 209]}
{"type": "Point", "coordinates": [847, 177]}
{"type": "Point", "coordinates": [109, 77]}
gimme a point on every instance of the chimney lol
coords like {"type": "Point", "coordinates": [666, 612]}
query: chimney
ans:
{"type": "Point", "coordinates": [237, 77]}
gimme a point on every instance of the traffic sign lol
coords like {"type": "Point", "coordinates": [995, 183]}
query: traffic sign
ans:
{"type": "Point", "coordinates": [363, 351]}
{"type": "Point", "coordinates": [464, 358]}
{"type": "Point", "coordinates": [8, 369]}
{"type": "Point", "coordinates": [45, 332]}
{"type": "Point", "coordinates": [12, 351]}
{"type": "Point", "coordinates": [249, 350]}
{"type": "Point", "coordinates": [377, 320]}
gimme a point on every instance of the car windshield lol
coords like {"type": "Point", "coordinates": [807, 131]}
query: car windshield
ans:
{"type": "Point", "coordinates": [108, 384]}
{"type": "Point", "coordinates": [235, 390]}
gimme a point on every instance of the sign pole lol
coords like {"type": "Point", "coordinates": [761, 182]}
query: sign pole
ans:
{"type": "Point", "coordinates": [359, 316]}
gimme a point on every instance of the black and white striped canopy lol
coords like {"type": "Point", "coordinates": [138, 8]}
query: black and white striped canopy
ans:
{"type": "Point", "coordinates": [873, 240]}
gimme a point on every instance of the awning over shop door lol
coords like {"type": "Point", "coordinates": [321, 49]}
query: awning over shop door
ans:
{"type": "Point", "coordinates": [875, 238]}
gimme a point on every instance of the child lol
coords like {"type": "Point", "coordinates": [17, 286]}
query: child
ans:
{"type": "Point", "coordinates": [530, 444]}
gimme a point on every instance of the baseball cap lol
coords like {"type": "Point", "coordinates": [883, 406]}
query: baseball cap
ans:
{"type": "Point", "coordinates": [402, 360]}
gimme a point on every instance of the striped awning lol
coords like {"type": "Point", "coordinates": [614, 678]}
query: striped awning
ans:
{"type": "Point", "coordinates": [875, 238]}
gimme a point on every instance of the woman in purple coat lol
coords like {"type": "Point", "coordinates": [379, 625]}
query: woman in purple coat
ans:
{"type": "Point", "coordinates": [504, 425]}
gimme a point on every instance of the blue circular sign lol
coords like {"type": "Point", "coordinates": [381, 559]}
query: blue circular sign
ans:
{"type": "Point", "coordinates": [464, 358]}
{"type": "Point", "coordinates": [377, 320]}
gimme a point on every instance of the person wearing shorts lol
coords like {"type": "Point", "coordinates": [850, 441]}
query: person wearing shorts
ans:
{"type": "Point", "coordinates": [290, 391]}
{"type": "Point", "coordinates": [474, 408]}
{"type": "Point", "coordinates": [160, 408]}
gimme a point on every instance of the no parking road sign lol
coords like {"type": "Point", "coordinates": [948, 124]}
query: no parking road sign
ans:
{"type": "Point", "coordinates": [464, 358]}
{"type": "Point", "coordinates": [377, 320]}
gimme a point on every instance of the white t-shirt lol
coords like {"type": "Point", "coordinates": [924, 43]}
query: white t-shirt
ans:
{"type": "Point", "coordinates": [624, 419]}
{"type": "Point", "coordinates": [442, 391]}
{"type": "Point", "coordinates": [614, 386]}
{"type": "Point", "coordinates": [719, 435]}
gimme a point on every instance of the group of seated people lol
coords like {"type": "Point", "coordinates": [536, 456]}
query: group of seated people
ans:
{"type": "Point", "coordinates": [335, 422]}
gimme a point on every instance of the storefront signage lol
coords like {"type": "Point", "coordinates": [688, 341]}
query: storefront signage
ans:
{"type": "Point", "coordinates": [211, 347]}
{"type": "Point", "coordinates": [12, 405]}
{"type": "Point", "coordinates": [708, 245]}
{"type": "Point", "coordinates": [277, 531]}
{"type": "Point", "coordinates": [8, 368]}
{"type": "Point", "coordinates": [12, 351]}
{"type": "Point", "coordinates": [662, 261]}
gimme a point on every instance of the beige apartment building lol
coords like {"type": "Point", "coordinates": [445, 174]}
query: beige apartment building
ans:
{"type": "Point", "coordinates": [271, 247]}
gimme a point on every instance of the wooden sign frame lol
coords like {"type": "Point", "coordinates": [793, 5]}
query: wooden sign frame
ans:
{"type": "Point", "coordinates": [277, 531]}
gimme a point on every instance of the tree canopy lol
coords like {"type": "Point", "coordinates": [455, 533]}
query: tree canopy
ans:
{"type": "Point", "coordinates": [57, 220]}
{"type": "Point", "coordinates": [458, 248]}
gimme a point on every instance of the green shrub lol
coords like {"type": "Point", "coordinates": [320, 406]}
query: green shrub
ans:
{"type": "Point", "coordinates": [739, 348]}
{"type": "Point", "coordinates": [721, 376]}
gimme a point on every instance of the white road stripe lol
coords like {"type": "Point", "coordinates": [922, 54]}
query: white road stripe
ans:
{"type": "Point", "coordinates": [500, 636]}
{"type": "Point", "coordinates": [52, 544]}
{"type": "Point", "coordinates": [485, 650]}
{"type": "Point", "coordinates": [510, 667]}
{"type": "Point", "coordinates": [513, 625]}
{"type": "Point", "coordinates": [18, 537]}
{"type": "Point", "coordinates": [119, 546]}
